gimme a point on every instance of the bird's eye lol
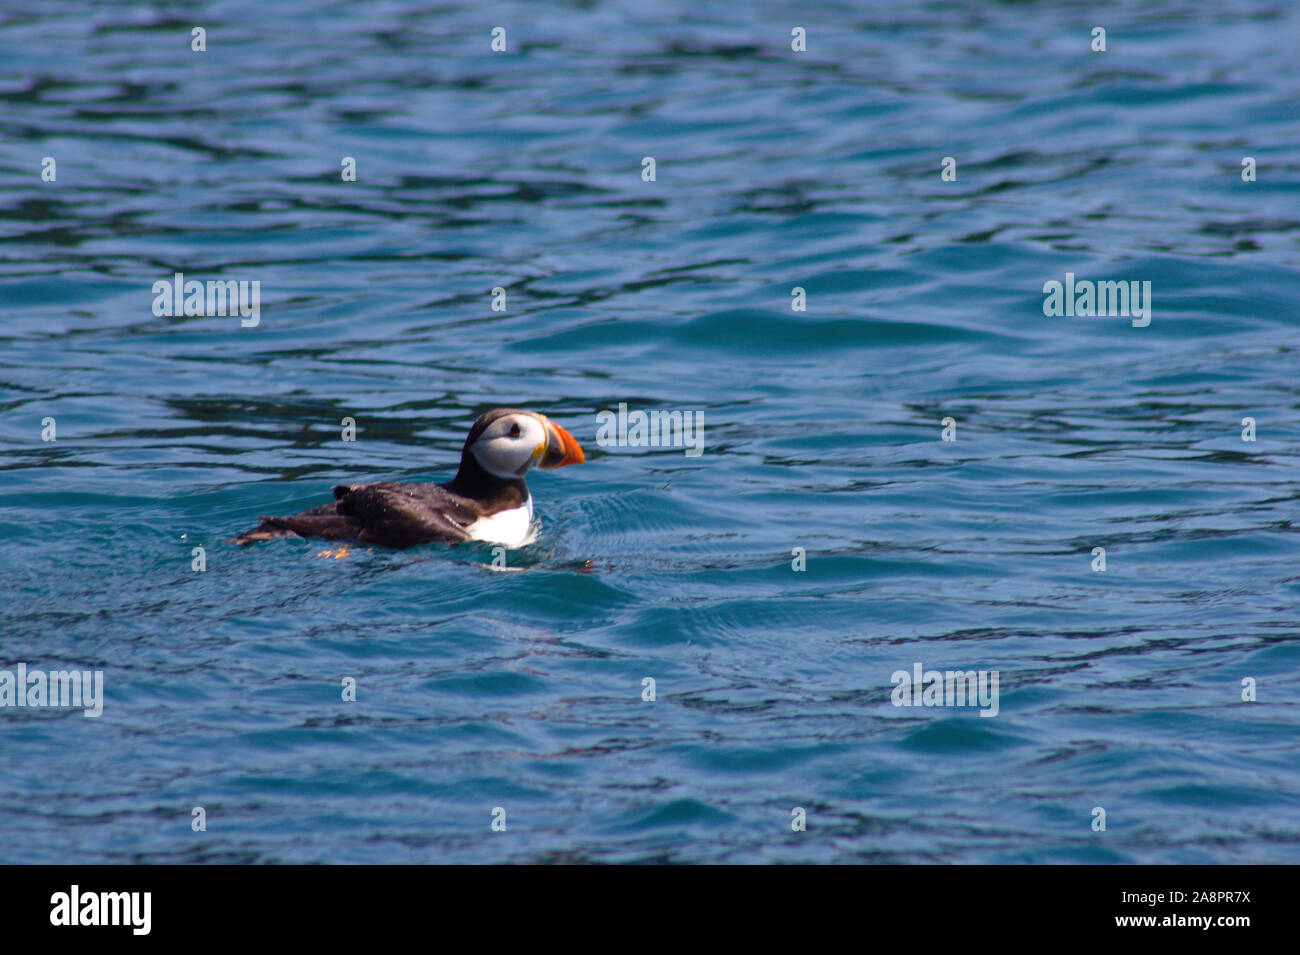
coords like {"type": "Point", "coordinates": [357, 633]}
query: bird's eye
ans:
{"type": "Point", "coordinates": [514, 430]}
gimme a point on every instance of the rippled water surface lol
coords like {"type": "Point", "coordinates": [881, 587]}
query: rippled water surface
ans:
{"type": "Point", "coordinates": [522, 689]}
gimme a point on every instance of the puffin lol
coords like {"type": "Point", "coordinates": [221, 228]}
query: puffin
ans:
{"type": "Point", "coordinates": [487, 500]}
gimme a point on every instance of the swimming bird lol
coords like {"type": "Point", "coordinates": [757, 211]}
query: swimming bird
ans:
{"type": "Point", "coordinates": [487, 500]}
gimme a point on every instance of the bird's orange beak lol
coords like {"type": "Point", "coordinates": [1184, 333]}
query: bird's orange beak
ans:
{"type": "Point", "coordinates": [561, 448]}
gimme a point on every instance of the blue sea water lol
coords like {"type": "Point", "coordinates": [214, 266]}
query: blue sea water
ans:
{"type": "Point", "coordinates": [521, 689]}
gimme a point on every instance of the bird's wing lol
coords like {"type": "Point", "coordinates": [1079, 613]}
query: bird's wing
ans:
{"type": "Point", "coordinates": [392, 514]}
{"type": "Point", "coordinates": [324, 521]}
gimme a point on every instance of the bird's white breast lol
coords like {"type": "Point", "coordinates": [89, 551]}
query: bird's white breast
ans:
{"type": "Point", "coordinates": [513, 528]}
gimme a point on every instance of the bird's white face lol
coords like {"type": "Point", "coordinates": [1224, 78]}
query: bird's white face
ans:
{"type": "Point", "coordinates": [518, 441]}
{"type": "Point", "coordinates": [511, 445]}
